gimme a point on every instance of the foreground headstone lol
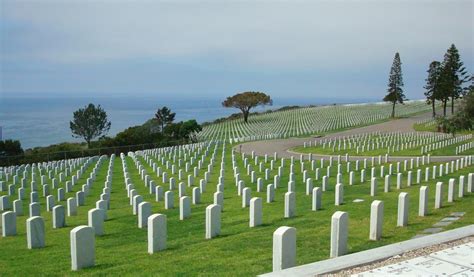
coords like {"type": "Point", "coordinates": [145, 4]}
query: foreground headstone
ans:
{"type": "Point", "coordinates": [144, 211]}
{"type": "Point", "coordinates": [59, 216]}
{"type": "Point", "coordinates": [4, 202]}
{"type": "Point", "coordinates": [284, 248]}
{"type": "Point", "coordinates": [309, 186]}
{"type": "Point", "coordinates": [82, 247]}
{"type": "Point", "coordinates": [156, 233]}
{"type": "Point", "coordinates": [423, 203]}
{"type": "Point", "coordinates": [196, 196]}
{"type": "Point", "coordinates": [402, 219]}
{"type": "Point", "coordinates": [96, 221]}
{"type": "Point", "coordinates": [339, 232]}
{"type": "Point", "coordinates": [8, 224]}
{"type": "Point", "coordinates": [387, 183]}
{"type": "Point", "coordinates": [71, 206]}
{"type": "Point", "coordinates": [18, 207]}
{"type": "Point", "coordinates": [461, 187]}
{"type": "Point", "coordinates": [470, 182]}
{"type": "Point", "coordinates": [270, 193]}
{"type": "Point", "coordinates": [373, 186]}
{"type": "Point", "coordinates": [213, 221]}
{"type": "Point", "coordinates": [290, 204]}
{"type": "Point", "coordinates": [376, 220]}
{"type": "Point", "coordinates": [246, 197]}
{"type": "Point", "coordinates": [316, 201]}
{"type": "Point", "coordinates": [439, 195]}
{"type": "Point", "coordinates": [219, 199]}
{"type": "Point", "coordinates": [255, 212]}
{"type": "Point", "coordinates": [169, 200]}
{"type": "Point", "coordinates": [451, 184]}
{"type": "Point", "coordinates": [339, 195]}
{"type": "Point", "coordinates": [35, 232]}
{"type": "Point", "coordinates": [35, 209]}
{"type": "Point", "coordinates": [184, 207]}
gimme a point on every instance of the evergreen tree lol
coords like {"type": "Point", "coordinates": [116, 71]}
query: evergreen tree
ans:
{"type": "Point", "coordinates": [432, 86]}
{"type": "Point", "coordinates": [164, 117]}
{"type": "Point", "coordinates": [395, 83]}
{"type": "Point", "coordinates": [454, 75]}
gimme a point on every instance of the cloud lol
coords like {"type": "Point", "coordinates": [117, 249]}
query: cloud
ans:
{"type": "Point", "coordinates": [287, 35]}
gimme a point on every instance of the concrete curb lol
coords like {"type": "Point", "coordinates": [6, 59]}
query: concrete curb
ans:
{"type": "Point", "coordinates": [373, 255]}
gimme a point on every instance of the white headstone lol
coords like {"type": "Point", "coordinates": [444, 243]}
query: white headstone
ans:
{"type": "Point", "coordinates": [423, 203]}
{"type": "Point", "coordinates": [59, 216]}
{"type": "Point", "coordinates": [402, 219]}
{"type": "Point", "coordinates": [35, 232]}
{"type": "Point", "coordinates": [157, 233]}
{"type": "Point", "coordinates": [82, 247]}
{"type": "Point", "coordinates": [284, 248]}
{"type": "Point", "coordinates": [339, 233]}
{"type": "Point", "coordinates": [255, 212]}
{"type": "Point", "coordinates": [184, 207]}
{"type": "Point", "coordinates": [213, 221]}
{"type": "Point", "coordinates": [376, 220]}
{"type": "Point", "coordinates": [144, 211]}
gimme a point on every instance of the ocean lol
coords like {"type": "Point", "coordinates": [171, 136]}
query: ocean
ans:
{"type": "Point", "coordinates": [44, 121]}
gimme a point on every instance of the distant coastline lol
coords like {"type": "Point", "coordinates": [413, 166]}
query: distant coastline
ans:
{"type": "Point", "coordinates": [43, 121]}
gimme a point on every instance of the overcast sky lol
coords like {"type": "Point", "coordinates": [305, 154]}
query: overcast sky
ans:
{"type": "Point", "coordinates": [289, 49]}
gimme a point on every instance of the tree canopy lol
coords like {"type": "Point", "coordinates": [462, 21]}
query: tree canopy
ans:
{"type": "Point", "coordinates": [89, 122]}
{"type": "Point", "coordinates": [395, 84]}
{"type": "Point", "coordinates": [164, 117]}
{"type": "Point", "coordinates": [247, 100]}
{"type": "Point", "coordinates": [453, 75]}
{"type": "Point", "coordinates": [433, 88]}
{"type": "Point", "coordinates": [10, 148]}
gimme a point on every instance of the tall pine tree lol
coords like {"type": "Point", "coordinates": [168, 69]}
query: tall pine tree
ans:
{"type": "Point", "coordinates": [395, 84]}
{"type": "Point", "coordinates": [432, 86]}
{"type": "Point", "coordinates": [454, 75]}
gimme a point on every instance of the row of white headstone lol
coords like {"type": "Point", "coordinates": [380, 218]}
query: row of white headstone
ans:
{"type": "Point", "coordinates": [284, 238]}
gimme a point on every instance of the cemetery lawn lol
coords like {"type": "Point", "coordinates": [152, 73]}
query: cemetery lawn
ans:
{"type": "Point", "coordinates": [239, 250]}
{"type": "Point", "coordinates": [416, 151]}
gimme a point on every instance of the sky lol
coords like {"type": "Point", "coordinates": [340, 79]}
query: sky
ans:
{"type": "Point", "coordinates": [213, 49]}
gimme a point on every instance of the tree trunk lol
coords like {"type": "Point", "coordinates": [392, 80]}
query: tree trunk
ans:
{"type": "Point", "coordinates": [452, 105]}
{"type": "Point", "coordinates": [88, 144]}
{"type": "Point", "coordinates": [393, 110]}
{"type": "Point", "coordinates": [445, 102]}
{"type": "Point", "coordinates": [246, 116]}
{"type": "Point", "coordinates": [433, 106]}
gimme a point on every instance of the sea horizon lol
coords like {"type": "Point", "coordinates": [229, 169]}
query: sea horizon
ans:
{"type": "Point", "coordinates": [37, 121]}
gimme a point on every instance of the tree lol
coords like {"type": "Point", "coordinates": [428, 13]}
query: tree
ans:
{"type": "Point", "coordinates": [189, 129]}
{"type": "Point", "coordinates": [164, 117]}
{"type": "Point", "coordinates": [454, 75]}
{"type": "Point", "coordinates": [89, 122]}
{"type": "Point", "coordinates": [395, 83]}
{"type": "Point", "coordinates": [432, 86]}
{"type": "Point", "coordinates": [10, 148]}
{"type": "Point", "coordinates": [463, 119]}
{"type": "Point", "coordinates": [246, 101]}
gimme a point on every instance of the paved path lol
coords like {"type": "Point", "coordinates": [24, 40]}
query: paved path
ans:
{"type": "Point", "coordinates": [458, 260]}
{"type": "Point", "coordinates": [282, 146]}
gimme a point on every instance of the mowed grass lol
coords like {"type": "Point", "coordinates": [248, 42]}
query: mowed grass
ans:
{"type": "Point", "coordinates": [239, 250]}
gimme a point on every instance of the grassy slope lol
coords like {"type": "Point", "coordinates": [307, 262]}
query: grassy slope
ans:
{"type": "Point", "coordinates": [239, 250]}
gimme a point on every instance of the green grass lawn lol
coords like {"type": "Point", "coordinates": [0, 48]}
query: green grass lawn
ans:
{"type": "Point", "coordinates": [239, 250]}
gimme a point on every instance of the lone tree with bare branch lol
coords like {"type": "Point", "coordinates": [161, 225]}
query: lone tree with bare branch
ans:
{"type": "Point", "coordinates": [89, 122]}
{"type": "Point", "coordinates": [247, 100]}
